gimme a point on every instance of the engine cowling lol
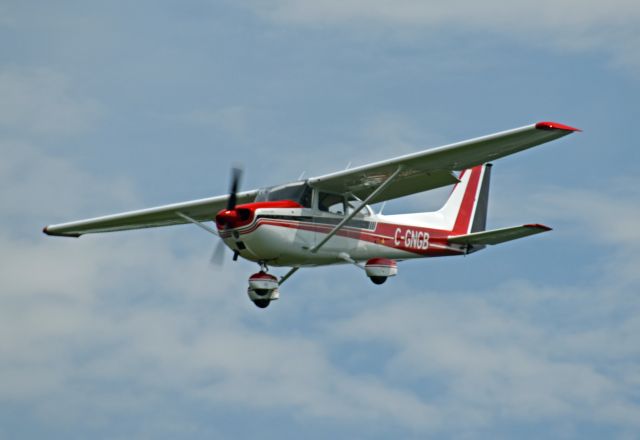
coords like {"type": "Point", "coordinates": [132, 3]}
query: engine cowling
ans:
{"type": "Point", "coordinates": [379, 269]}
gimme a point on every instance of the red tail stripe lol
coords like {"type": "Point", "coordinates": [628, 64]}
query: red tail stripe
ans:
{"type": "Point", "coordinates": [463, 219]}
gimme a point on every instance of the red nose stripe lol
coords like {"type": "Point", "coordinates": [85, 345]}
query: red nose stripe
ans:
{"type": "Point", "coordinates": [243, 215]}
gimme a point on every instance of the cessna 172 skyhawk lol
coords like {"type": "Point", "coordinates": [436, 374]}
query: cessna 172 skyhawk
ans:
{"type": "Point", "coordinates": [327, 219]}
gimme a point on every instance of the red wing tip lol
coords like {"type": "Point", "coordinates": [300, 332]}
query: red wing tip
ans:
{"type": "Point", "coordinates": [538, 226]}
{"type": "Point", "coordinates": [555, 126]}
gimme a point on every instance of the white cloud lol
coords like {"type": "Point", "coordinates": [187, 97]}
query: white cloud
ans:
{"type": "Point", "coordinates": [567, 25]}
{"type": "Point", "coordinates": [35, 184]}
{"type": "Point", "coordinates": [497, 365]}
{"type": "Point", "coordinates": [43, 102]}
{"type": "Point", "coordinates": [604, 217]}
{"type": "Point", "coordinates": [232, 120]}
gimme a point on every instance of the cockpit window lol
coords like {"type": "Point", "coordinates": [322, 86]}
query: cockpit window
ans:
{"type": "Point", "coordinates": [333, 203]}
{"type": "Point", "coordinates": [341, 205]}
{"type": "Point", "coordinates": [298, 192]}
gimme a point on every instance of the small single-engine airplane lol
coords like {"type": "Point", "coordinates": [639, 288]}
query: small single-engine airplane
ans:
{"type": "Point", "coordinates": [327, 219]}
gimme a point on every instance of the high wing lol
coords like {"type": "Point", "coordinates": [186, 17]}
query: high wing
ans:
{"type": "Point", "coordinates": [429, 169]}
{"type": "Point", "coordinates": [497, 236]}
{"type": "Point", "coordinates": [414, 173]}
{"type": "Point", "coordinates": [166, 215]}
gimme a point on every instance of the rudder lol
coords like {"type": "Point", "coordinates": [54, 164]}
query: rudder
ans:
{"type": "Point", "coordinates": [468, 201]}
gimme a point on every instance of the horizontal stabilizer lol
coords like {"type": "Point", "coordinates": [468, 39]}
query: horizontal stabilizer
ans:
{"type": "Point", "coordinates": [498, 236]}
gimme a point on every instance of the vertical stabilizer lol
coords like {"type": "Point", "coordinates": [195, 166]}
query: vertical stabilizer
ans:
{"type": "Point", "coordinates": [479, 217]}
{"type": "Point", "coordinates": [466, 208]}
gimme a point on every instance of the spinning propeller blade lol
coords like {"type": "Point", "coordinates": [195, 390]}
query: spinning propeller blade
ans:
{"type": "Point", "coordinates": [236, 175]}
{"type": "Point", "coordinates": [217, 257]}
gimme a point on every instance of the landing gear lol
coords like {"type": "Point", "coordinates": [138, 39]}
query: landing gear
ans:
{"type": "Point", "coordinates": [378, 280]}
{"type": "Point", "coordinates": [263, 288]}
{"type": "Point", "coordinates": [379, 269]}
{"type": "Point", "coordinates": [262, 303]}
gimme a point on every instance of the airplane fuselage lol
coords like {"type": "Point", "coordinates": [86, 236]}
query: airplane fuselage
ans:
{"type": "Point", "coordinates": [284, 236]}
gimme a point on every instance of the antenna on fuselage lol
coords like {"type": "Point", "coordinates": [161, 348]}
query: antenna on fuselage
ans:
{"type": "Point", "coordinates": [301, 175]}
{"type": "Point", "coordinates": [382, 208]}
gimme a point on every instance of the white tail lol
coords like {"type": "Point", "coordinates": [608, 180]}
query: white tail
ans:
{"type": "Point", "coordinates": [465, 210]}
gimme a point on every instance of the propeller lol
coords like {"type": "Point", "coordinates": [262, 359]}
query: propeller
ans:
{"type": "Point", "coordinates": [236, 175]}
{"type": "Point", "coordinates": [217, 257]}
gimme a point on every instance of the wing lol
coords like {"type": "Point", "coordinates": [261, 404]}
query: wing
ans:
{"type": "Point", "coordinates": [201, 210]}
{"type": "Point", "coordinates": [434, 168]}
{"type": "Point", "coordinates": [498, 236]}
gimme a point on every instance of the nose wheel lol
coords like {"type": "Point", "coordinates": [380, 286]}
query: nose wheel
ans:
{"type": "Point", "coordinates": [263, 288]}
{"type": "Point", "coordinates": [262, 303]}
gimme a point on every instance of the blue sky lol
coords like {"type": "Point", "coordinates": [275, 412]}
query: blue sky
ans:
{"type": "Point", "coordinates": [106, 107]}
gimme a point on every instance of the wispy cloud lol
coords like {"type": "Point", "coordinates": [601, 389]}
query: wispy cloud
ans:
{"type": "Point", "coordinates": [567, 25]}
{"type": "Point", "coordinates": [43, 102]}
{"type": "Point", "coordinates": [232, 120]}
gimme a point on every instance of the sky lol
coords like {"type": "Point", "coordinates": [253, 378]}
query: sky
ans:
{"type": "Point", "coordinates": [112, 106]}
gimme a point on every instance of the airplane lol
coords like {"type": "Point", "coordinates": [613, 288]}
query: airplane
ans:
{"type": "Point", "coordinates": [327, 219]}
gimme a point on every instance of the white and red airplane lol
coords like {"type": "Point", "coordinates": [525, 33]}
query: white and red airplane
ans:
{"type": "Point", "coordinates": [327, 219]}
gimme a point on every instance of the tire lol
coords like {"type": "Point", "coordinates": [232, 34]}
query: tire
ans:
{"type": "Point", "coordinates": [378, 280]}
{"type": "Point", "coordinates": [262, 303]}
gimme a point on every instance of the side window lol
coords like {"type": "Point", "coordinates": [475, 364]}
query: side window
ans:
{"type": "Point", "coordinates": [352, 203]}
{"type": "Point", "coordinates": [332, 203]}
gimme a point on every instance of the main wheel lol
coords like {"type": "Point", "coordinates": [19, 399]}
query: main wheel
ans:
{"type": "Point", "coordinates": [378, 280]}
{"type": "Point", "coordinates": [262, 303]}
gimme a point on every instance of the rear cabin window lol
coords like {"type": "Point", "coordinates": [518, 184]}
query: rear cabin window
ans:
{"type": "Point", "coordinates": [300, 192]}
{"type": "Point", "coordinates": [353, 202]}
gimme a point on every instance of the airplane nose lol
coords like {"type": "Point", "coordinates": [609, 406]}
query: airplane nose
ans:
{"type": "Point", "coordinates": [226, 218]}
{"type": "Point", "coordinates": [233, 218]}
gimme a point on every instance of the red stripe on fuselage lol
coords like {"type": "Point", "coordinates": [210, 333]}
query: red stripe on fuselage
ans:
{"type": "Point", "coordinates": [413, 239]}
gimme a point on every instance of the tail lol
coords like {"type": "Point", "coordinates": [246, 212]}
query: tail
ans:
{"type": "Point", "coordinates": [466, 208]}
{"type": "Point", "coordinates": [464, 215]}
{"type": "Point", "coordinates": [466, 211]}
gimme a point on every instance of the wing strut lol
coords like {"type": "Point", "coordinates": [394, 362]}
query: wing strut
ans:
{"type": "Point", "coordinates": [286, 276]}
{"type": "Point", "coordinates": [197, 223]}
{"type": "Point", "coordinates": [344, 221]}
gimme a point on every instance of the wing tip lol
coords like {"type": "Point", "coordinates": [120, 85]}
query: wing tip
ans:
{"type": "Point", "coordinates": [548, 125]}
{"type": "Point", "coordinates": [46, 231]}
{"type": "Point", "coordinates": [543, 228]}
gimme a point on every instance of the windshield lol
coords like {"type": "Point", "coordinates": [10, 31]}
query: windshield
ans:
{"type": "Point", "coordinates": [298, 192]}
